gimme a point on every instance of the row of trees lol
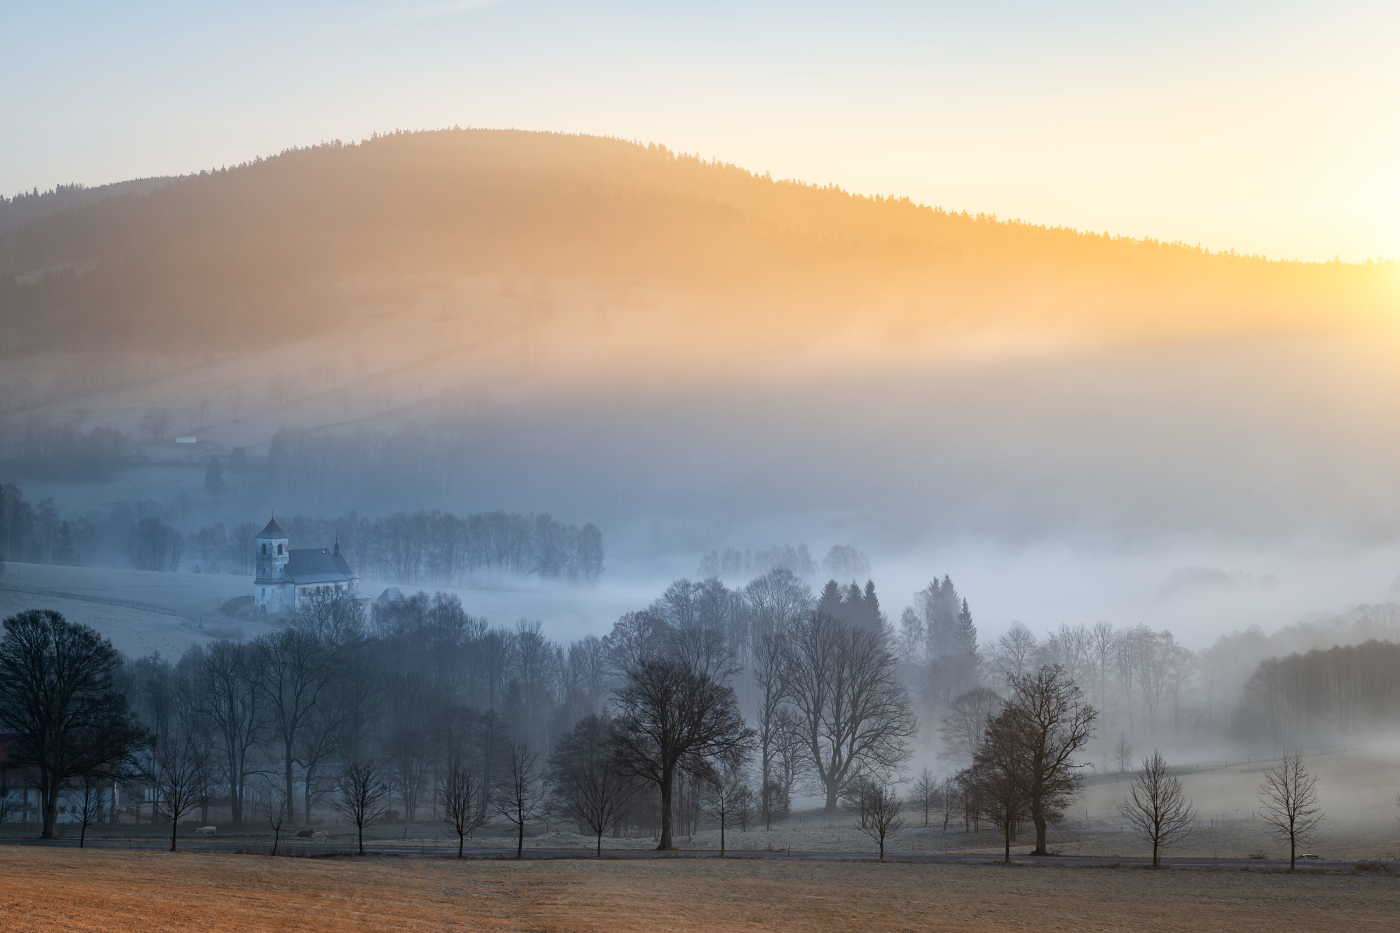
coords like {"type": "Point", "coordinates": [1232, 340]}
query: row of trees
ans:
{"type": "Point", "coordinates": [403, 547]}
{"type": "Point", "coordinates": [436, 547]}
{"type": "Point", "coordinates": [1337, 692]}
{"type": "Point", "coordinates": [323, 708]}
{"type": "Point", "coordinates": [57, 450]}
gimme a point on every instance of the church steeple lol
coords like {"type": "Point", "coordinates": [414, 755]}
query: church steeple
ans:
{"type": "Point", "coordinates": [271, 546]}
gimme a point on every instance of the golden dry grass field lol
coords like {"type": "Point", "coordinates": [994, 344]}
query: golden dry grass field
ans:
{"type": "Point", "coordinates": [48, 890]}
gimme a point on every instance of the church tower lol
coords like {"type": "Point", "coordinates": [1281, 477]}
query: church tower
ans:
{"type": "Point", "coordinates": [272, 551]}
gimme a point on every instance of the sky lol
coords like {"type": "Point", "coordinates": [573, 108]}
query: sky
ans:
{"type": "Point", "coordinates": [1268, 128]}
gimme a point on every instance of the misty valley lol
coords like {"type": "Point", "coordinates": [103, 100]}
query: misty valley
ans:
{"type": "Point", "coordinates": [403, 508]}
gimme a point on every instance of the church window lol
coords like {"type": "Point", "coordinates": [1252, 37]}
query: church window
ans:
{"type": "Point", "coordinates": [279, 549]}
{"type": "Point", "coordinates": [264, 547]}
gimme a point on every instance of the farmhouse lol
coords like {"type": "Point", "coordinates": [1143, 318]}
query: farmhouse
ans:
{"type": "Point", "coordinates": [286, 577]}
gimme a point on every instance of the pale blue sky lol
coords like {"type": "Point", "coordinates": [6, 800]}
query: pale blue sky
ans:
{"type": "Point", "coordinates": [1269, 128]}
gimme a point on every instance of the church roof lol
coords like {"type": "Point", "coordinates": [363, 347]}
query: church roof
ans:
{"type": "Point", "coordinates": [317, 565]}
{"type": "Point", "coordinates": [271, 531]}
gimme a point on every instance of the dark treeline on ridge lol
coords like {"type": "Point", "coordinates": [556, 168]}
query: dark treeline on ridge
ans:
{"type": "Point", "coordinates": [28, 206]}
{"type": "Point", "coordinates": [279, 246]}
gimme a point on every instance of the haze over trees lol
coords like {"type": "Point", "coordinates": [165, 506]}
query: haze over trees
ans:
{"type": "Point", "coordinates": [711, 703]}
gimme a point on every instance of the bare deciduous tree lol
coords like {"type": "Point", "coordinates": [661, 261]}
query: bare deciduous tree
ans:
{"type": "Point", "coordinates": [878, 810]}
{"type": "Point", "coordinates": [228, 699]}
{"type": "Point", "coordinates": [362, 796]}
{"type": "Point", "coordinates": [1157, 807]}
{"type": "Point", "coordinates": [155, 423]}
{"type": "Point", "coordinates": [669, 712]}
{"type": "Point", "coordinates": [723, 791]}
{"type": "Point", "coordinates": [1051, 723]}
{"type": "Point", "coordinates": [180, 778]}
{"type": "Point", "coordinates": [852, 710]}
{"type": "Point", "coordinates": [59, 703]}
{"type": "Point", "coordinates": [89, 806]}
{"type": "Point", "coordinates": [996, 779]}
{"type": "Point", "coordinates": [294, 671]}
{"type": "Point", "coordinates": [518, 798]}
{"type": "Point", "coordinates": [923, 796]}
{"type": "Point", "coordinates": [460, 798]}
{"type": "Point", "coordinates": [949, 799]}
{"type": "Point", "coordinates": [1288, 796]}
{"type": "Point", "coordinates": [273, 808]}
{"type": "Point", "coordinates": [1122, 753]}
{"type": "Point", "coordinates": [965, 722]}
{"type": "Point", "coordinates": [587, 782]}
{"type": "Point", "coordinates": [233, 397]}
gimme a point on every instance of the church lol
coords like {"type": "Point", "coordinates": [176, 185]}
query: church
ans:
{"type": "Point", "coordinates": [286, 576]}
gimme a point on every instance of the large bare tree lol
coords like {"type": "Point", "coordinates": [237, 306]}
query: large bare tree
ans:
{"type": "Point", "coordinates": [768, 680]}
{"type": "Point", "coordinates": [1288, 798]}
{"type": "Point", "coordinates": [1050, 721]}
{"type": "Point", "coordinates": [294, 673]}
{"type": "Point", "coordinates": [226, 696]}
{"type": "Point", "coordinates": [60, 704]}
{"type": "Point", "coordinates": [1156, 806]}
{"type": "Point", "coordinates": [668, 712]}
{"type": "Point", "coordinates": [852, 711]}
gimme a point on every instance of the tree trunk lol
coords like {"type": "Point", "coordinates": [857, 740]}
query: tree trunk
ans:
{"type": "Point", "coordinates": [1154, 852]}
{"type": "Point", "coordinates": [1008, 843]}
{"type": "Point", "coordinates": [306, 797]}
{"type": "Point", "coordinates": [1038, 815]}
{"type": "Point", "coordinates": [291, 807]}
{"type": "Point", "coordinates": [833, 792]}
{"type": "Point", "coordinates": [174, 828]}
{"type": "Point", "coordinates": [361, 828]}
{"type": "Point", "coordinates": [721, 837]}
{"type": "Point", "coordinates": [600, 844]}
{"type": "Point", "coordinates": [520, 834]}
{"type": "Point", "coordinates": [50, 803]}
{"type": "Point", "coordinates": [667, 775]}
{"type": "Point", "coordinates": [461, 841]}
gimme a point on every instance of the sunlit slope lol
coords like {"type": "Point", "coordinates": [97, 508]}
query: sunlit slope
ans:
{"type": "Point", "coordinates": [286, 245]}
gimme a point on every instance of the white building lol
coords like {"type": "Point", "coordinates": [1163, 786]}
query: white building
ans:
{"type": "Point", "coordinates": [286, 577]}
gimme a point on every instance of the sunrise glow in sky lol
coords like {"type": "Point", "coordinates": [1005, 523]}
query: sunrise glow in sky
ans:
{"type": "Point", "coordinates": [1263, 127]}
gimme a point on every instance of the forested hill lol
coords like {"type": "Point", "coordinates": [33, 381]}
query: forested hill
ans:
{"type": "Point", "coordinates": [28, 206]}
{"type": "Point", "coordinates": [269, 247]}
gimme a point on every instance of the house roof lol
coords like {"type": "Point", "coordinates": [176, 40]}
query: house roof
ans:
{"type": "Point", "coordinates": [317, 565]}
{"type": "Point", "coordinates": [271, 531]}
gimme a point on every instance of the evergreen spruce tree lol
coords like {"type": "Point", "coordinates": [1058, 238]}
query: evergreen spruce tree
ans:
{"type": "Point", "coordinates": [214, 476]}
{"type": "Point", "coordinates": [65, 551]}
{"type": "Point", "coordinates": [870, 607]}
{"type": "Point", "coordinates": [830, 601]}
{"type": "Point", "coordinates": [967, 632]}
